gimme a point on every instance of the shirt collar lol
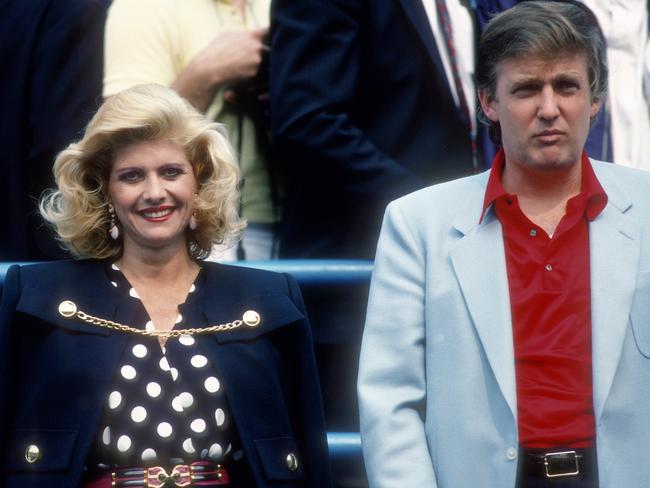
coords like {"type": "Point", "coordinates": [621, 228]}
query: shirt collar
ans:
{"type": "Point", "coordinates": [592, 194]}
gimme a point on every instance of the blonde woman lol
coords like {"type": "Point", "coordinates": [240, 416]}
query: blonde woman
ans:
{"type": "Point", "coordinates": [139, 364]}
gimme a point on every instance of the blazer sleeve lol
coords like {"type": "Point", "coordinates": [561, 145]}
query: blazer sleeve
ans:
{"type": "Point", "coordinates": [392, 380]}
{"type": "Point", "coordinates": [310, 427]}
{"type": "Point", "coordinates": [314, 70]}
{"type": "Point", "coordinates": [10, 295]}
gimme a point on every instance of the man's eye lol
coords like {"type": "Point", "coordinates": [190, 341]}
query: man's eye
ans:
{"type": "Point", "coordinates": [568, 86]}
{"type": "Point", "coordinates": [524, 91]}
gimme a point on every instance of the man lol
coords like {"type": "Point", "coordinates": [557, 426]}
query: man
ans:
{"type": "Point", "coordinates": [368, 103]}
{"type": "Point", "coordinates": [507, 340]}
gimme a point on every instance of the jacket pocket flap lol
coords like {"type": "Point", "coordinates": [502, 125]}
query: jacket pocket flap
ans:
{"type": "Point", "coordinates": [40, 450]}
{"type": "Point", "coordinates": [280, 458]}
{"type": "Point", "coordinates": [44, 305]}
{"type": "Point", "coordinates": [260, 315]}
{"type": "Point", "coordinates": [640, 314]}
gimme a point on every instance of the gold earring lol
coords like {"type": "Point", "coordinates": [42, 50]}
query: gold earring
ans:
{"type": "Point", "coordinates": [114, 230]}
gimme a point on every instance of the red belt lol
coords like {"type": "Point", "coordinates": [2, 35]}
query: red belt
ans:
{"type": "Point", "coordinates": [200, 473]}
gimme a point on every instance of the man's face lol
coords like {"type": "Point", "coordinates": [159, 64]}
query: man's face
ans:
{"type": "Point", "coordinates": [543, 108]}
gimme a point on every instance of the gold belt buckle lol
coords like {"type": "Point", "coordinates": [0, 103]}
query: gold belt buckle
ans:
{"type": "Point", "coordinates": [157, 477]}
{"type": "Point", "coordinates": [552, 473]}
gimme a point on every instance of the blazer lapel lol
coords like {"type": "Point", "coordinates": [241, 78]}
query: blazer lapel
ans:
{"type": "Point", "coordinates": [615, 242]}
{"type": "Point", "coordinates": [479, 262]}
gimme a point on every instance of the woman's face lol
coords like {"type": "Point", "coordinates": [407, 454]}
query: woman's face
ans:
{"type": "Point", "coordinates": [152, 188]}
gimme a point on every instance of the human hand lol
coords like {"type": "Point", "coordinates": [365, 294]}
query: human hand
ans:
{"type": "Point", "coordinates": [232, 56]}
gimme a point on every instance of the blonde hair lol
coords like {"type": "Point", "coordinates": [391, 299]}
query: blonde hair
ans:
{"type": "Point", "coordinates": [78, 208]}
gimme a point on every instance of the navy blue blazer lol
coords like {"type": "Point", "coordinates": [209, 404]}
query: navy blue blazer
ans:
{"type": "Point", "coordinates": [362, 113]}
{"type": "Point", "coordinates": [55, 371]}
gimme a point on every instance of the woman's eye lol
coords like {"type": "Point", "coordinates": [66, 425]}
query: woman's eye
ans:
{"type": "Point", "coordinates": [129, 176]}
{"type": "Point", "coordinates": [172, 172]}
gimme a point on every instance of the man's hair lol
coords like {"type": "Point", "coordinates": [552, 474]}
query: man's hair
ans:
{"type": "Point", "coordinates": [545, 29]}
{"type": "Point", "coordinates": [78, 208]}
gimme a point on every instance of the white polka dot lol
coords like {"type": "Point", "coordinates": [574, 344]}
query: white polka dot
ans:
{"type": "Point", "coordinates": [106, 436]}
{"type": "Point", "coordinates": [228, 449]}
{"type": "Point", "coordinates": [139, 350]}
{"type": "Point", "coordinates": [192, 288]}
{"type": "Point", "coordinates": [133, 293]}
{"type": "Point", "coordinates": [219, 416]}
{"type": "Point", "coordinates": [198, 425]}
{"type": "Point", "coordinates": [115, 267]}
{"type": "Point", "coordinates": [188, 447]}
{"type": "Point", "coordinates": [138, 414]}
{"type": "Point", "coordinates": [164, 364]}
{"type": "Point", "coordinates": [124, 443]}
{"type": "Point", "coordinates": [114, 284]}
{"type": "Point", "coordinates": [149, 455]}
{"type": "Point", "coordinates": [174, 373]}
{"type": "Point", "coordinates": [215, 451]}
{"type": "Point", "coordinates": [114, 400]}
{"type": "Point", "coordinates": [237, 455]}
{"type": "Point", "coordinates": [198, 361]}
{"type": "Point", "coordinates": [153, 389]}
{"type": "Point", "coordinates": [211, 384]}
{"type": "Point", "coordinates": [187, 400]}
{"type": "Point", "coordinates": [186, 340]}
{"type": "Point", "coordinates": [128, 372]}
{"type": "Point", "coordinates": [176, 404]}
{"type": "Point", "coordinates": [179, 319]}
{"type": "Point", "coordinates": [204, 453]}
{"type": "Point", "coordinates": [149, 326]}
{"type": "Point", "coordinates": [164, 429]}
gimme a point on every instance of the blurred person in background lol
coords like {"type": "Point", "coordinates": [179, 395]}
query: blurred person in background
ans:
{"type": "Point", "coordinates": [51, 60]}
{"type": "Point", "coordinates": [369, 101]}
{"type": "Point", "coordinates": [212, 52]}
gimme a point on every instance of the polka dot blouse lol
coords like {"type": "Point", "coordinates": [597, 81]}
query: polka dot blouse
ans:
{"type": "Point", "coordinates": [165, 405]}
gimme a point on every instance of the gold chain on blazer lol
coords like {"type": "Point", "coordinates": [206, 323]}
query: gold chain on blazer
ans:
{"type": "Point", "coordinates": [69, 309]}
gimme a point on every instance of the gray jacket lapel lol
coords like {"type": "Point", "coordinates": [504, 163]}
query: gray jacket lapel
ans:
{"type": "Point", "coordinates": [615, 242]}
{"type": "Point", "coordinates": [479, 262]}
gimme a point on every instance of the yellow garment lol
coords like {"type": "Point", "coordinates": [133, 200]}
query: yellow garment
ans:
{"type": "Point", "coordinates": [151, 41]}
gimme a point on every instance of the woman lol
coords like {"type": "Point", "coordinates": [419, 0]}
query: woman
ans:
{"type": "Point", "coordinates": [141, 365]}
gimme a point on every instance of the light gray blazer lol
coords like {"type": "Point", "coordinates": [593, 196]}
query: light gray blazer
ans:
{"type": "Point", "coordinates": [437, 379]}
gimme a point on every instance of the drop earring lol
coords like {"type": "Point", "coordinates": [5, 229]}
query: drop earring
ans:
{"type": "Point", "coordinates": [194, 224]}
{"type": "Point", "coordinates": [114, 231]}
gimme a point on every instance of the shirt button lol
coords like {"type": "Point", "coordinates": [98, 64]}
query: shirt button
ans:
{"type": "Point", "coordinates": [511, 453]}
{"type": "Point", "coordinates": [548, 267]}
{"type": "Point", "coordinates": [533, 232]}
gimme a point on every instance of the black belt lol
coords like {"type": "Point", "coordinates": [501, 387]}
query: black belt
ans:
{"type": "Point", "coordinates": [553, 463]}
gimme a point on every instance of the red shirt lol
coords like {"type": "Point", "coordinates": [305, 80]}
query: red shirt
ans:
{"type": "Point", "coordinates": [550, 300]}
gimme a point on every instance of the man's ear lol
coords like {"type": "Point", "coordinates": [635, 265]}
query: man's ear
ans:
{"type": "Point", "coordinates": [487, 102]}
{"type": "Point", "coordinates": [595, 107]}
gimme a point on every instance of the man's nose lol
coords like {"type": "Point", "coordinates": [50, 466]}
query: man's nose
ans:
{"type": "Point", "coordinates": [548, 104]}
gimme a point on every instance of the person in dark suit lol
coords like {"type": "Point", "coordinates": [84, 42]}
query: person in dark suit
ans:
{"type": "Point", "coordinates": [362, 113]}
{"type": "Point", "coordinates": [51, 57]}
{"type": "Point", "coordinates": [142, 365]}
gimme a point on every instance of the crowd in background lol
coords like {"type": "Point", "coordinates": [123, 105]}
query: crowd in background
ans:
{"type": "Point", "coordinates": [335, 108]}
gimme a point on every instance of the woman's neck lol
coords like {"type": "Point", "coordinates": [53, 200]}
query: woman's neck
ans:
{"type": "Point", "coordinates": [157, 265]}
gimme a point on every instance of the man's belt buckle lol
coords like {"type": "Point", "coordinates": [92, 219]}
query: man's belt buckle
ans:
{"type": "Point", "coordinates": [157, 477]}
{"type": "Point", "coordinates": [559, 464]}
